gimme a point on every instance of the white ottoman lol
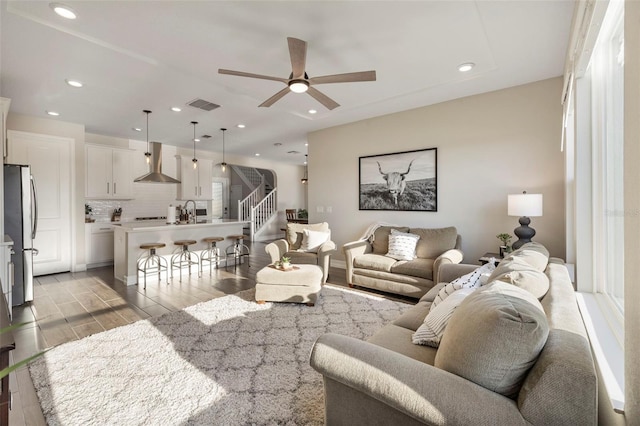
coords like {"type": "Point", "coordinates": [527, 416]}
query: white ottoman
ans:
{"type": "Point", "coordinates": [299, 285]}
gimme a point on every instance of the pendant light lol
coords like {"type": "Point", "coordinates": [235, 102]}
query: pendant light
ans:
{"type": "Point", "coordinates": [148, 153]}
{"type": "Point", "coordinates": [305, 179]}
{"type": "Point", "coordinates": [195, 160]}
{"type": "Point", "coordinates": [223, 164]}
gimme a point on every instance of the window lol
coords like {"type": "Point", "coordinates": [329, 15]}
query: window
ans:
{"type": "Point", "coordinates": [607, 72]}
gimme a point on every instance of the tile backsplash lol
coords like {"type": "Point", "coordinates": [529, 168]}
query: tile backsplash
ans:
{"type": "Point", "coordinates": [151, 199]}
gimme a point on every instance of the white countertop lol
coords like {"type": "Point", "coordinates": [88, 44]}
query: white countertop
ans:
{"type": "Point", "coordinates": [155, 225]}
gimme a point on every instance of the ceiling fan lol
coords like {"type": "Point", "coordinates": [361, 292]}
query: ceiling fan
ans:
{"type": "Point", "coordinates": [299, 81]}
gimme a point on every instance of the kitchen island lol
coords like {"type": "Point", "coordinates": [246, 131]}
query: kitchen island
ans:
{"type": "Point", "coordinates": [128, 236]}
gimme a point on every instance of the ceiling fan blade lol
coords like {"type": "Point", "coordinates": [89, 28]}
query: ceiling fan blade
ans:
{"type": "Point", "coordinates": [322, 98]}
{"type": "Point", "coordinates": [272, 100]}
{"type": "Point", "coordinates": [344, 78]}
{"type": "Point", "coordinates": [298, 54]}
{"type": "Point", "coordinates": [250, 75]}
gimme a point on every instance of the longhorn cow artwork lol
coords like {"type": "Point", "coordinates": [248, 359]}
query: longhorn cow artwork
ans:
{"type": "Point", "coordinates": [404, 181]}
{"type": "Point", "coordinates": [395, 181]}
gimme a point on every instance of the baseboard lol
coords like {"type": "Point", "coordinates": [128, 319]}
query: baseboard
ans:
{"type": "Point", "coordinates": [79, 267]}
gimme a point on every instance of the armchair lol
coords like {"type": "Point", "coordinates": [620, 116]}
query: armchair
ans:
{"type": "Point", "coordinates": [291, 247]}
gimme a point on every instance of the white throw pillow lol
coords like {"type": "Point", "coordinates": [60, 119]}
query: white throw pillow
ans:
{"type": "Point", "coordinates": [312, 240]}
{"type": "Point", "coordinates": [431, 331]}
{"type": "Point", "coordinates": [470, 280]}
{"type": "Point", "coordinates": [402, 245]}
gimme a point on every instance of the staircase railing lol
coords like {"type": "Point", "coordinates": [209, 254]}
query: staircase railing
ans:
{"type": "Point", "coordinates": [250, 176]}
{"type": "Point", "coordinates": [263, 211]}
{"type": "Point", "coordinates": [251, 200]}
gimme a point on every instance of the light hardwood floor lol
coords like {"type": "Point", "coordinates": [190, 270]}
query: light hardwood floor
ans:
{"type": "Point", "coordinates": [71, 306]}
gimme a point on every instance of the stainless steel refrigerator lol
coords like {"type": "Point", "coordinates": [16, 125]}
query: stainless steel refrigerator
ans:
{"type": "Point", "coordinates": [21, 223]}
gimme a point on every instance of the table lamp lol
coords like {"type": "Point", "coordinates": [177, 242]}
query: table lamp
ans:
{"type": "Point", "coordinates": [526, 206]}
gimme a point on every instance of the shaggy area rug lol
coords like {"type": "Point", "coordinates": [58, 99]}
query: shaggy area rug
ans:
{"type": "Point", "coordinates": [228, 361]}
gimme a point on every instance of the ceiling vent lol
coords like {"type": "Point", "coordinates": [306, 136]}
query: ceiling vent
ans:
{"type": "Point", "coordinates": [293, 152]}
{"type": "Point", "coordinates": [206, 136]}
{"type": "Point", "coordinates": [202, 104]}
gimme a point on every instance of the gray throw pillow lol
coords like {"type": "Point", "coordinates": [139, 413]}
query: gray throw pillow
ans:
{"type": "Point", "coordinates": [494, 337]}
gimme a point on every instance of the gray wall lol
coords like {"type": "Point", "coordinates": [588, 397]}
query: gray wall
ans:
{"type": "Point", "coordinates": [489, 146]}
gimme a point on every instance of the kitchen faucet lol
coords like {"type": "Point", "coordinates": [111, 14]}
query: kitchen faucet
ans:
{"type": "Point", "coordinates": [193, 215]}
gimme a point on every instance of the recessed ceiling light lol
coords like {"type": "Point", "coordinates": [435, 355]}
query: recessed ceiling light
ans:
{"type": "Point", "coordinates": [63, 10]}
{"type": "Point", "coordinates": [241, 126]}
{"type": "Point", "coordinates": [466, 67]}
{"type": "Point", "coordinates": [176, 109]}
{"type": "Point", "coordinates": [306, 144]}
{"type": "Point", "coordinates": [74, 83]}
{"type": "Point", "coordinates": [257, 154]}
{"type": "Point", "coordinates": [196, 140]}
{"type": "Point", "coordinates": [136, 129]}
{"type": "Point", "coordinates": [53, 113]}
{"type": "Point", "coordinates": [312, 111]}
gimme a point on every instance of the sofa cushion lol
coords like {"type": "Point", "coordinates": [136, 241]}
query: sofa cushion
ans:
{"type": "Point", "coordinates": [516, 271]}
{"type": "Point", "coordinates": [376, 262]}
{"type": "Point", "coordinates": [380, 238]}
{"type": "Point", "coordinates": [422, 268]}
{"type": "Point", "coordinates": [398, 339]}
{"type": "Point", "coordinates": [431, 331]}
{"type": "Point", "coordinates": [534, 254]}
{"type": "Point", "coordinates": [434, 242]}
{"type": "Point", "coordinates": [402, 245]}
{"type": "Point", "coordinates": [494, 337]}
{"type": "Point", "coordinates": [295, 232]}
{"type": "Point", "coordinates": [414, 317]}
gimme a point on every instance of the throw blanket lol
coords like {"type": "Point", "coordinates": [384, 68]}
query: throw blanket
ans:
{"type": "Point", "coordinates": [369, 233]}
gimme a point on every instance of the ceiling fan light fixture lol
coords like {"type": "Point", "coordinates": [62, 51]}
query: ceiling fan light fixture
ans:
{"type": "Point", "coordinates": [298, 86]}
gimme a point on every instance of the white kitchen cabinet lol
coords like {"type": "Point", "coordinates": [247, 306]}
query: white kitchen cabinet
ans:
{"type": "Point", "coordinates": [195, 184]}
{"type": "Point", "coordinates": [99, 244]}
{"type": "Point", "coordinates": [109, 173]}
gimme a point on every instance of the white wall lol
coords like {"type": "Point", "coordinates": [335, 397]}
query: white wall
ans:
{"type": "Point", "coordinates": [489, 146]}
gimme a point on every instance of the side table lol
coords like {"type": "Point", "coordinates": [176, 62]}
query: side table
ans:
{"type": "Point", "coordinates": [484, 259]}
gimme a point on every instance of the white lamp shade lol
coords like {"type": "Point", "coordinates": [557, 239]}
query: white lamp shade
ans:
{"type": "Point", "coordinates": [529, 205]}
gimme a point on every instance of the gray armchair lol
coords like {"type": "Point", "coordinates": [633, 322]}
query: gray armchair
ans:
{"type": "Point", "coordinates": [290, 247]}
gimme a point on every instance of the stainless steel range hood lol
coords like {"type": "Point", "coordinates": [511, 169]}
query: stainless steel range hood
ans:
{"type": "Point", "coordinates": [155, 174]}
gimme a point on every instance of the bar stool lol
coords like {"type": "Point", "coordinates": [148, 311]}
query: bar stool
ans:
{"type": "Point", "coordinates": [182, 257]}
{"type": "Point", "coordinates": [151, 262]}
{"type": "Point", "coordinates": [211, 254]}
{"type": "Point", "coordinates": [237, 250]}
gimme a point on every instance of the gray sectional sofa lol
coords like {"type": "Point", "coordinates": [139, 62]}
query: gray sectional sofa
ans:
{"type": "Point", "coordinates": [367, 265]}
{"type": "Point", "coordinates": [388, 380]}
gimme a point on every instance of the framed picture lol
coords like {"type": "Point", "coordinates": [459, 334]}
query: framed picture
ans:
{"type": "Point", "coordinates": [400, 181]}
